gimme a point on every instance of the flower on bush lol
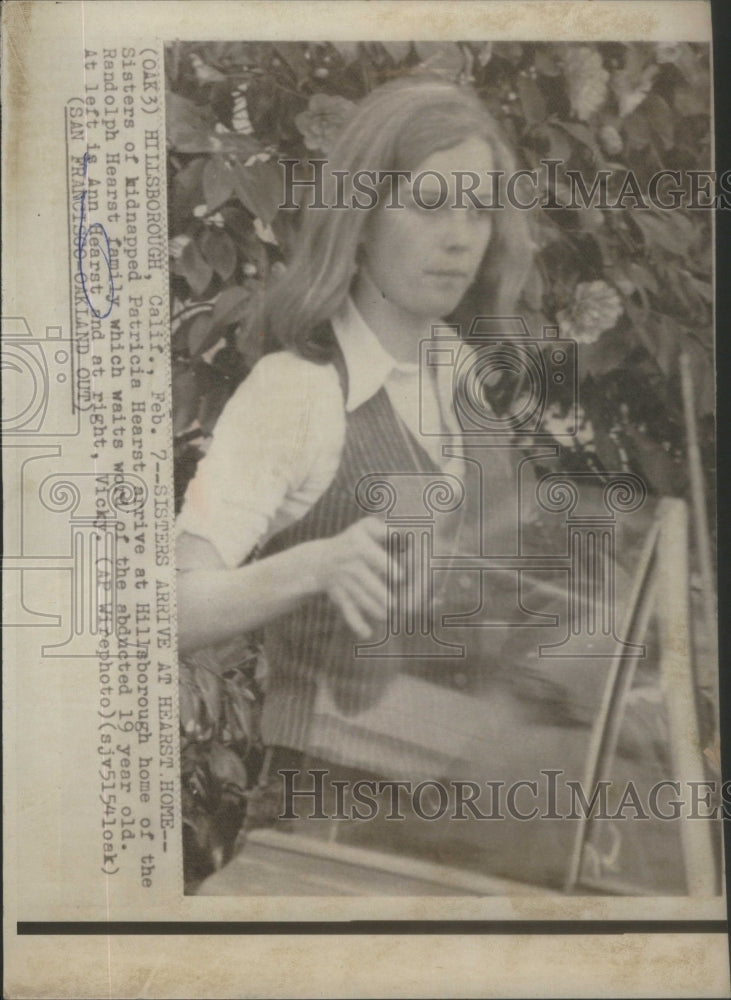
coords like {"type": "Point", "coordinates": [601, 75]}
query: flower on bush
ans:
{"type": "Point", "coordinates": [596, 307]}
{"type": "Point", "coordinates": [586, 80]}
{"type": "Point", "coordinates": [323, 120]}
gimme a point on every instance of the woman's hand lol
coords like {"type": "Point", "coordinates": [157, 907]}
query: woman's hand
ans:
{"type": "Point", "coordinates": [355, 571]}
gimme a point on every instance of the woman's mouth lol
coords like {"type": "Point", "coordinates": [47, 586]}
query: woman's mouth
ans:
{"type": "Point", "coordinates": [447, 272]}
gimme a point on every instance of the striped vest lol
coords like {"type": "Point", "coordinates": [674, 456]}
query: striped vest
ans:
{"type": "Point", "coordinates": [312, 645]}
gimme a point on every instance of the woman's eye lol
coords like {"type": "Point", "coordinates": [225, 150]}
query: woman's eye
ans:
{"type": "Point", "coordinates": [428, 201]}
{"type": "Point", "coordinates": [437, 208]}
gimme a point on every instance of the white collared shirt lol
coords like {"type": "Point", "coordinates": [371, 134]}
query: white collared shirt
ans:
{"type": "Point", "coordinates": [277, 444]}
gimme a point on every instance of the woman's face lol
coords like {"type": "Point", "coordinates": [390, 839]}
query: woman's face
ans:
{"type": "Point", "coordinates": [423, 260]}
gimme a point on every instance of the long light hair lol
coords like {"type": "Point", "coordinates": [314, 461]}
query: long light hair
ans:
{"type": "Point", "coordinates": [396, 127]}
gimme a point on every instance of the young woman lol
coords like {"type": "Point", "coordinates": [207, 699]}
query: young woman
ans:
{"type": "Point", "coordinates": [342, 399]}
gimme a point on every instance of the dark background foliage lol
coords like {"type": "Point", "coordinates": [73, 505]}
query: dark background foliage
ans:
{"type": "Point", "coordinates": [632, 285]}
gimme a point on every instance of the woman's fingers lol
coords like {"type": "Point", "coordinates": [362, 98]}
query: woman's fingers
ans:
{"type": "Point", "coordinates": [372, 587]}
{"type": "Point", "coordinates": [361, 574]}
{"type": "Point", "coordinates": [371, 600]}
{"type": "Point", "coordinates": [351, 613]}
{"type": "Point", "coordinates": [378, 560]}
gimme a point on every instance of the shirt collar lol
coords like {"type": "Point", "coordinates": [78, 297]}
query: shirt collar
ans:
{"type": "Point", "coordinates": [368, 362]}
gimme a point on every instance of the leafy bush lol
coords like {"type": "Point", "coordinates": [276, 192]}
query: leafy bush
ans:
{"type": "Point", "coordinates": [220, 708]}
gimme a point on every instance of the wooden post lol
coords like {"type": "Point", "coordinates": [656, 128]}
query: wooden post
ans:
{"type": "Point", "coordinates": [680, 695]}
{"type": "Point", "coordinates": [706, 673]}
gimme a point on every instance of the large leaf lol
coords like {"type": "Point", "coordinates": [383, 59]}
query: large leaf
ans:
{"type": "Point", "coordinates": [188, 126]}
{"type": "Point", "coordinates": [209, 688]}
{"type": "Point", "coordinates": [230, 307]}
{"type": "Point", "coordinates": [239, 717]}
{"type": "Point", "coordinates": [219, 251]}
{"type": "Point", "coordinates": [199, 336]}
{"type": "Point", "coordinates": [194, 268]}
{"type": "Point", "coordinates": [248, 336]}
{"type": "Point", "coordinates": [670, 230]}
{"type": "Point", "coordinates": [238, 222]}
{"type": "Point", "coordinates": [218, 182]}
{"type": "Point", "coordinates": [703, 289]}
{"type": "Point", "coordinates": [227, 767]}
{"type": "Point", "coordinates": [192, 129]}
{"type": "Point", "coordinates": [642, 276]}
{"type": "Point", "coordinates": [185, 397]}
{"type": "Point", "coordinates": [187, 192]}
{"type": "Point", "coordinates": [259, 187]}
